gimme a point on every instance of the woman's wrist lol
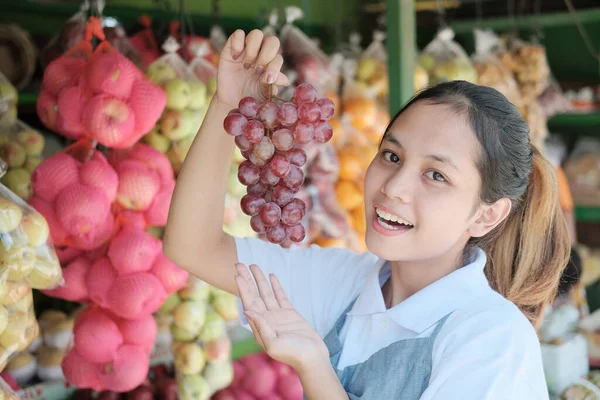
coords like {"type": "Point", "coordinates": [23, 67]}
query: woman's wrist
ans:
{"type": "Point", "coordinates": [321, 382]}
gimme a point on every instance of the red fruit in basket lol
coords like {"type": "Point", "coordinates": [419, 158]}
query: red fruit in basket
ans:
{"type": "Point", "coordinates": [287, 114]}
{"type": "Point", "coordinates": [303, 93]}
{"type": "Point", "coordinates": [239, 371]}
{"type": "Point", "coordinates": [47, 109]}
{"type": "Point", "coordinates": [138, 185]}
{"type": "Point", "coordinates": [248, 107]}
{"type": "Point", "coordinates": [281, 368]}
{"type": "Point", "coordinates": [113, 74]}
{"type": "Point", "coordinates": [170, 275]}
{"type": "Point", "coordinates": [99, 279]}
{"type": "Point", "coordinates": [154, 160]}
{"type": "Point", "coordinates": [323, 132]}
{"type": "Point", "coordinates": [289, 387]}
{"type": "Point", "coordinates": [58, 234]}
{"type": "Point", "coordinates": [53, 175]}
{"type": "Point", "coordinates": [259, 381]}
{"type": "Point", "coordinates": [98, 238]}
{"type": "Point", "coordinates": [135, 295]}
{"type": "Point", "coordinates": [309, 112]}
{"type": "Point", "coordinates": [108, 120]}
{"type": "Point", "coordinates": [234, 124]}
{"type": "Point", "coordinates": [81, 373]}
{"type": "Point", "coordinates": [141, 332]}
{"type": "Point", "coordinates": [147, 103]}
{"type": "Point", "coordinates": [133, 250]}
{"type": "Point", "coordinates": [98, 339]}
{"type": "Point", "coordinates": [75, 288]}
{"type": "Point", "coordinates": [70, 105]}
{"type": "Point", "coordinates": [128, 369]}
{"type": "Point", "coordinates": [62, 73]}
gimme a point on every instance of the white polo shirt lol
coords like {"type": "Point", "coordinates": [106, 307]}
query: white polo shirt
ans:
{"type": "Point", "coordinates": [486, 350]}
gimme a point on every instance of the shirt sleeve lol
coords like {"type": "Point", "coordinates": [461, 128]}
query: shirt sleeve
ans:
{"type": "Point", "coordinates": [489, 357]}
{"type": "Point", "coordinates": [320, 282]}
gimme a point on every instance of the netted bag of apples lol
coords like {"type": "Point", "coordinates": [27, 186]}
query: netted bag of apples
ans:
{"type": "Point", "coordinates": [8, 100]}
{"type": "Point", "coordinates": [185, 106]}
{"type": "Point", "coordinates": [21, 148]}
{"type": "Point", "coordinates": [27, 260]}
{"type": "Point", "coordinates": [199, 316]}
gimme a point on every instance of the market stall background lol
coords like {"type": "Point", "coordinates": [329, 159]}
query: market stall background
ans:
{"type": "Point", "coordinates": [403, 32]}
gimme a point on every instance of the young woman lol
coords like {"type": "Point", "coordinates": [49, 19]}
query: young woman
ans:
{"type": "Point", "coordinates": [466, 246]}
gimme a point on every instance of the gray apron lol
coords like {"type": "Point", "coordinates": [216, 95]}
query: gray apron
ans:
{"type": "Point", "coordinates": [398, 371]}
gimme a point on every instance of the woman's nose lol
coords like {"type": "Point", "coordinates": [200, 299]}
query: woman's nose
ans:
{"type": "Point", "coordinates": [399, 185]}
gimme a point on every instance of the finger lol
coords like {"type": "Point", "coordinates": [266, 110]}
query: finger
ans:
{"type": "Point", "coordinates": [266, 333]}
{"type": "Point", "coordinates": [266, 294]}
{"type": "Point", "coordinates": [273, 69]}
{"type": "Point", "coordinates": [282, 80]}
{"type": "Point", "coordinates": [257, 337]}
{"type": "Point", "coordinates": [253, 43]}
{"type": "Point", "coordinates": [235, 44]}
{"type": "Point", "coordinates": [248, 293]}
{"type": "Point", "coordinates": [267, 54]}
{"type": "Point", "coordinates": [279, 292]}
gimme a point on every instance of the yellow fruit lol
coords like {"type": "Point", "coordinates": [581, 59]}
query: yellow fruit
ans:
{"type": "Point", "coordinates": [195, 289]}
{"type": "Point", "coordinates": [32, 141]}
{"type": "Point", "coordinates": [13, 338]}
{"type": "Point", "coordinates": [36, 229]}
{"type": "Point", "coordinates": [13, 154]}
{"type": "Point", "coordinates": [23, 305]}
{"type": "Point", "coordinates": [16, 292]}
{"type": "Point", "coordinates": [10, 215]}
{"type": "Point", "coordinates": [190, 316]}
{"type": "Point", "coordinates": [158, 141]}
{"type": "Point", "coordinates": [3, 318]}
{"type": "Point", "coordinates": [189, 359]}
{"type": "Point", "coordinates": [348, 195]}
{"type": "Point", "coordinates": [359, 222]}
{"type": "Point", "coordinates": [18, 261]}
{"type": "Point", "coordinates": [31, 163]}
{"type": "Point", "coordinates": [46, 274]}
{"type": "Point", "coordinates": [18, 180]}
{"type": "Point", "coordinates": [181, 335]}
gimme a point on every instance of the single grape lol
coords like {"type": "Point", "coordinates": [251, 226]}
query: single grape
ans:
{"type": "Point", "coordinates": [268, 177]}
{"type": "Point", "coordinates": [256, 161]}
{"type": "Point", "coordinates": [282, 195]}
{"type": "Point", "coordinates": [248, 173]}
{"type": "Point", "coordinates": [303, 93]}
{"type": "Point", "coordinates": [303, 132]}
{"type": "Point", "coordinates": [265, 149]}
{"type": "Point", "coordinates": [234, 124]}
{"type": "Point", "coordinates": [280, 166]}
{"type": "Point", "coordinates": [295, 233]}
{"type": "Point", "coordinates": [309, 112]}
{"type": "Point", "coordinates": [242, 143]}
{"type": "Point", "coordinates": [301, 204]}
{"type": "Point", "coordinates": [323, 132]}
{"type": "Point", "coordinates": [291, 214]}
{"type": "Point", "coordinates": [269, 196]}
{"type": "Point", "coordinates": [268, 114]}
{"type": "Point", "coordinates": [296, 156]}
{"type": "Point", "coordinates": [254, 131]}
{"type": "Point", "coordinates": [251, 204]}
{"type": "Point", "coordinates": [245, 153]}
{"type": "Point", "coordinates": [234, 111]}
{"type": "Point", "coordinates": [248, 107]}
{"type": "Point", "coordinates": [257, 224]}
{"type": "Point", "coordinates": [294, 178]}
{"type": "Point", "coordinates": [276, 234]}
{"type": "Point", "coordinates": [287, 114]}
{"type": "Point", "coordinates": [258, 189]}
{"type": "Point", "coordinates": [270, 214]}
{"type": "Point", "coordinates": [283, 139]}
{"type": "Point", "coordinates": [327, 108]}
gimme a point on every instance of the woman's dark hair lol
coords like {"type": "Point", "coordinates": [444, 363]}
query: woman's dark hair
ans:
{"type": "Point", "coordinates": [529, 250]}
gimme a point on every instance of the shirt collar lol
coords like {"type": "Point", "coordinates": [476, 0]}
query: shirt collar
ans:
{"type": "Point", "coordinates": [430, 304]}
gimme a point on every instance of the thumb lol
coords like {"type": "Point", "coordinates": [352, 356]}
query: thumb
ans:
{"type": "Point", "coordinates": [234, 46]}
{"type": "Point", "coordinates": [264, 330]}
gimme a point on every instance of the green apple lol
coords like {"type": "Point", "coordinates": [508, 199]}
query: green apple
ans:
{"type": "Point", "coordinates": [13, 154]}
{"type": "Point", "coordinates": [176, 125]}
{"type": "Point", "coordinates": [158, 141]}
{"type": "Point", "coordinates": [181, 335]}
{"type": "Point", "coordinates": [189, 358]}
{"type": "Point", "coordinates": [190, 316]}
{"type": "Point", "coordinates": [195, 289]}
{"type": "Point", "coordinates": [192, 387]}
{"type": "Point", "coordinates": [170, 304]}
{"type": "Point", "coordinates": [161, 72]}
{"type": "Point", "coordinates": [179, 94]}
{"type": "Point", "coordinates": [218, 374]}
{"type": "Point", "coordinates": [8, 92]}
{"type": "Point", "coordinates": [213, 328]}
{"type": "Point", "coordinates": [31, 163]}
{"type": "Point", "coordinates": [18, 180]}
{"type": "Point", "coordinates": [32, 141]}
{"type": "Point", "coordinates": [198, 96]}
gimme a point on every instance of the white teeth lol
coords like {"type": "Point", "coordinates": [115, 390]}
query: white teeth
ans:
{"type": "Point", "coordinates": [391, 217]}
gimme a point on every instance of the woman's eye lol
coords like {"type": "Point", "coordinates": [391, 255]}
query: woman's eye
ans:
{"type": "Point", "coordinates": [391, 157]}
{"type": "Point", "coordinates": [436, 176]}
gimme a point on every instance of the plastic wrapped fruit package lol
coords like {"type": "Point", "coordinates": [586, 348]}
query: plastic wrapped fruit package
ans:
{"type": "Point", "coordinates": [445, 60]}
{"type": "Point", "coordinates": [583, 172]}
{"type": "Point", "coordinates": [8, 100]}
{"type": "Point", "coordinates": [145, 185]}
{"type": "Point", "coordinates": [530, 67]}
{"type": "Point", "coordinates": [537, 120]}
{"type": "Point", "coordinates": [186, 102]}
{"type": "Point", "coordinates": [303, 54]}
{"type": "Point", "coordinates": [6, 393]}
{"type": "Point", "coordinates": [372, 66]}
{"type": "Point", "coordinates": [102, 95]}
{"type": "Point", "coordinates": [491, 71]}
{"type": "Point", "coordinates": [21, 148]}
{"type": "Point", "coordinates": [201, 347]}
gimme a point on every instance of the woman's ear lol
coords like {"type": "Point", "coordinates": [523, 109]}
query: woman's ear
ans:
{"type": "Point", "coordinates": [490, 215]}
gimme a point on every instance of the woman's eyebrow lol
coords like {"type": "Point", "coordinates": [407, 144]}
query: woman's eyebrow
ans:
{"type": "Point", "coordinates": [436, 157]}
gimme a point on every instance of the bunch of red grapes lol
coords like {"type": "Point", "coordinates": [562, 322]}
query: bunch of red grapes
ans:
{"type": "Point", "coordinates": [270, 136]}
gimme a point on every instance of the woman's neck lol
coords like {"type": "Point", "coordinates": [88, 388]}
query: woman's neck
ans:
{"type": "Point", "coordinates": [409, 277]}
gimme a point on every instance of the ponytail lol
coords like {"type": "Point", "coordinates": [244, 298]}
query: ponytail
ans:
{"type": "Point", "coordinates": [527, 254]}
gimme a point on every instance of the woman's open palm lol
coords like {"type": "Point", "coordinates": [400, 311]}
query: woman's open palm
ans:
{"type": "Point", "coordinates": [248, 65]}
{"type": "Point", "coordinates": [284, 334]}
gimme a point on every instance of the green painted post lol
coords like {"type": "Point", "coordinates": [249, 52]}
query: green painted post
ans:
{"type": "Point", "coordinates": [401, 46]}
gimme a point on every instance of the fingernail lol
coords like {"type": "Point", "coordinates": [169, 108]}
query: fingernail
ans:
{"type": "Point", "coordinates": [259, 69]}
{"type": "Point", "coordinates": [271, 77]}
{"type": "Point", "coordinates": [247, 65]}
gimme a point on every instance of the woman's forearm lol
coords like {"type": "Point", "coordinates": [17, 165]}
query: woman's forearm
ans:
{"type": "Point", "coordinates": [321, 383]}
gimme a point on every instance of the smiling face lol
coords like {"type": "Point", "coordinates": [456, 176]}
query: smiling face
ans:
{"type": "Point", "coordinates": [422, 188]}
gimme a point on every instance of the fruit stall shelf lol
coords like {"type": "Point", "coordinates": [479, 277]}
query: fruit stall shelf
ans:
{"type": "Point", "coordinates": [587, 214]}
{"type": "Point", "coordinates": [576, 124]}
